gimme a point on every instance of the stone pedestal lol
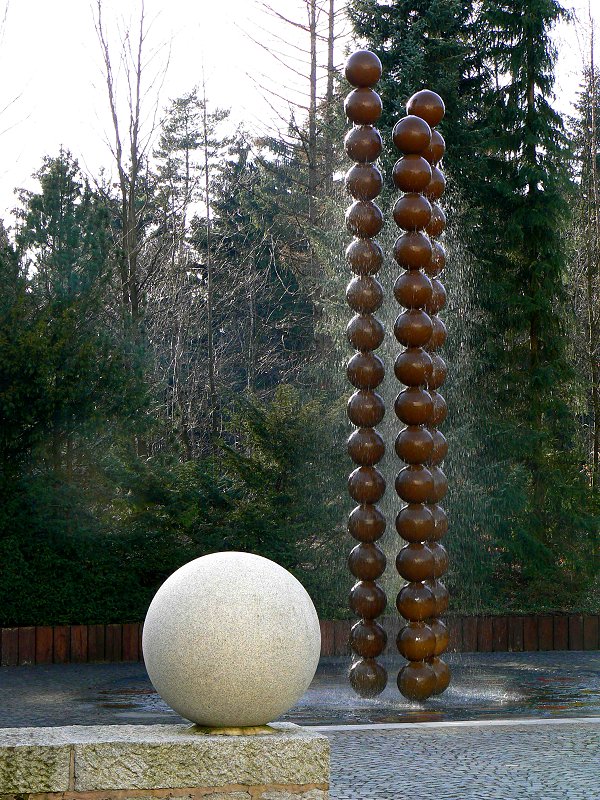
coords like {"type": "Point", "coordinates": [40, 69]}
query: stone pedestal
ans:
{"type": "Point", "coordinates": [123, 762]}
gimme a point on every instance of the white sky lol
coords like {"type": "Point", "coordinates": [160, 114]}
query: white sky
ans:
{"type": "Point", "coordinates": [50, 66]}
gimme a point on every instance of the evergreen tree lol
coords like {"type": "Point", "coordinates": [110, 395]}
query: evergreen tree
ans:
{"type": "Point", "coordinates": [548, 532]}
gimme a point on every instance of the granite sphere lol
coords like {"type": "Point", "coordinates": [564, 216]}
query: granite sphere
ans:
{"type": "Point", "coordinates": [231, 640]}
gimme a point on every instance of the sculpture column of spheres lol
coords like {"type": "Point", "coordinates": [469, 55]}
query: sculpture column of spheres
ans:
{"type": "Point", "coordinates": [421, 483]}
{"type": "Point", "coordinates": [365, 372]}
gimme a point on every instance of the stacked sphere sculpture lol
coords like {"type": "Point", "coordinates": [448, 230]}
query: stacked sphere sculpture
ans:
{"type": "Point", "coordinates": [365, 372]}
{"type": "Point", "coordinates": [421, 484]}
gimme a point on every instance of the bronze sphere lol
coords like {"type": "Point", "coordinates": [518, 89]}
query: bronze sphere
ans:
{"type": "Point", "coordinates": [413, 367]}
{"type": "Point", "coordinates": [366, 485]}
{"type": "Point", "coordinates": [362, 68]}
{"type": "Point", "coordinates": [416, 680]}
{"type": "Point", "coordinates": [414, 444]}
{"type": "Point", "coordinates": [365, 371]}
{"type": "Point", "coordinates": [414, 484]}
{"type": "Point", "coordinates": [412, 212]}
{"type": "Point", "coordinates": [363, 106]}
{"type": "Point", "coordinates": [364, 219]}
{"type": "Point", "coordinates": [368, 600]}
{"type": "Point", "coordinates": [366, 523]}
{"type": "Point", "coordinates": [367, 677]}
{"type": "Point", "coordinates": [365, 332]}
{"type": "Point", "coordinates": [364, 294]}
{"type": "Point", "coordinates": [412, 135]}
{"type": "Point", "coordinates": [411, 173]}
{"type": "Point", "coordinates": [363, 143]}
{"type": "Point", "coordinates": [366, 561]}
{"type": "Point", "coordinates": [416, 641]}
{"type": "Point", "coordinates": [365, 409]}
{"type": "Point", "coordinates": [366, 447]}
{"type": "Point", "coordinates": [364, 181]}
{"type": "Point", "coordinates": [428, 105]}
{"type": "Point", "coordinates": [413, 289]}
{"type": "Point", "coordinates": [364, 256]}
{"type": "Point", "coordinates": [413, 328]}
{"type": "Point", "coordinates": [415, 523]}
{"type": "Point", "coordinates": [368, 639]}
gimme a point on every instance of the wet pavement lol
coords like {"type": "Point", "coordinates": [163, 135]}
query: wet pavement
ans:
{"type": "Point", "coordinates": [512, 725]}
{"type": "Point", "coordinates": [508, 686]}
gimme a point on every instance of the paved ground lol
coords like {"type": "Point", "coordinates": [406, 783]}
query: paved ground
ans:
{"type": "Point", "coordinates": [478, 762]}
{"type": "Point", "coordinates": [526, 734]}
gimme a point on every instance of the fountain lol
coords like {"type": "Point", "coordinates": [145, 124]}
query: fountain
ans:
{"type": "Point", "coordinates": [421, 483]}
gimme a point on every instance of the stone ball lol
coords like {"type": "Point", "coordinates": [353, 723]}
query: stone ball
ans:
{"type": "Point", "coordinates": [231, 640]}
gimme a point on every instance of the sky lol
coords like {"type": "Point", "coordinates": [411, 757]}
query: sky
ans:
{"type": "Point", "coordinates": [52, 91]}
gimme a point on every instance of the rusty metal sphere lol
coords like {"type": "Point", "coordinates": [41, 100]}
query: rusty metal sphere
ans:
{"type": "Point", "coordinates": [440, 558]}
{"type": "Point", "coordinates": [412, 289]}
{"type": "Point", "coordinates": [438, 297]}
{"type": "Point", "coordinates": [411, 173]}
{"type": "Point", "coordinates": [428, 105]}
{"type": "Point", "coordinates": [412, 212]}
{"type": "Point", "coordinates": [366, 523]}
{"type": "Point", "coordinates": [366, 485]}
{"type": "Point", "coordinates": [416, 602]}
{"type": "Point", "coordinates": [363, 143]}
{"type": "Point", "coordinates": [413, 328]}
{"type": "Point", "coordinates": [436, 186]}
{"type": "Point", "coordinates": [442, 674]}
{"type": "Point", "coordinates": [367, 677]}
{"type": "Point", "coordinates": [365, 371]}
{"type": "Point", "coordinates": [415, 523]}
{"type": "Point", "coordinates": [436, 149]}
{"type": "Point", "coordinates": [364, 219]}
{"type": "Point", "coordinates": [416, 680]}
{"type": "Point", "coordinates": [437, 222]}
{"type": "Point", "coordinates": [416, 641]}
{"type": "Point", "coordinates": [414, 444]}
{"type": "Point", "coordinates": [365, 409]}
{"type": "Point", "coordinates": [368, 639]}
{"type": "Point", "coordinates": [365, 332]}
{"type": "Point", "coordinates": [364, 256]}
{"type": "Point", "coordinates": [413, 406]}
{"type": "Point", "coordinates": [440, 631]}
{"type": "Point", "coordinates": [366, 447]}
{"type": "Point", "coordinates": [440, 409]}
{"type": "Point", "coordinates": [364, 294]}
{"type": "Point", "coordinates": [362, 68]}
{"type": "Point", "coordinates": [438, 259]}
{"type": "Point", "coordinates": [440, 595]}
{"type": "Point", "coordinates": [438, 334]}
{"type": "Point", "coordinates": [413, 367]}
{"type": "Point", "coordinates": [412, 250]}
{"type": "Point", "coordinates": [412, 134]}
{"type": "Point", "coordinates": [364, 181]}
{"type": "Point", "coordinates": [415, 562]}
{"type": "Point", "coordinates": [368, 600]}
{"type": "Point", "coordinates": [366, 561]}
{"type": "Point", "coordinates": [414, 484]}
{"type": "Point", "coordinates": [440, 522]}
{"type": "Point", "coordinates": [363, 106]}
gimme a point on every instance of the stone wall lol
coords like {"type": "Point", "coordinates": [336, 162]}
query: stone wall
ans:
{"type": "Point", "coordinates": [62, 644]}
{"type": "Point", "coordinates": [131, 762]}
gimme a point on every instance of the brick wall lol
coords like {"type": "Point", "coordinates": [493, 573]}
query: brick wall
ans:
{"type": "Point", "coordinates": [63, 644]}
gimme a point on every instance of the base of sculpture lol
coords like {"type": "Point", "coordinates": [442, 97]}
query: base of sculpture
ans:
{"type": "Point", "coordinates": [162, 761]}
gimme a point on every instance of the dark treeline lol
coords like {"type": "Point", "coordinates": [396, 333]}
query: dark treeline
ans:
{"type": "Point", "coordinates": [171, 347]}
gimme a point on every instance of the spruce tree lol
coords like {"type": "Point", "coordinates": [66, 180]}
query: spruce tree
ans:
{"type": "Point", "coordinates": [548, 532]}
